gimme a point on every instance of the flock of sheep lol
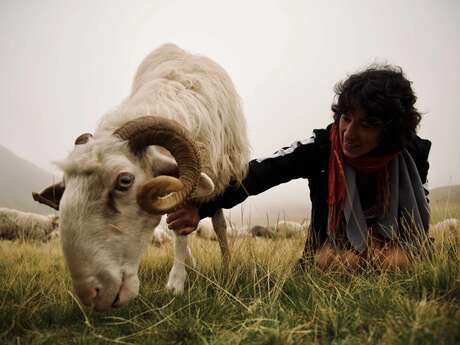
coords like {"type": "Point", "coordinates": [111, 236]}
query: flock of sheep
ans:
{"type": "Point", "coordinates": [18, 225]}
{"type": "Point", "coordinates": [283, 229]}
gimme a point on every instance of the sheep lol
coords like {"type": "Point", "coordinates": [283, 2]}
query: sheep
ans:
{"type": "Point", "coordinates": [18, 225]}
{"type": "Point", "coordinates": [283, 229]}
{"type": "Point", "coordinates": [179, 135]}
{"type": "Point", "coordinates": [288, 229]}
{"type": "Point", "coordinates": [449, 224]}
{"type": "Point", "coordinates": [262, 231]}
{"type": "Point", "coordinates": [161, 235]}
{"type": "Point", "coordinates": [205, 230]}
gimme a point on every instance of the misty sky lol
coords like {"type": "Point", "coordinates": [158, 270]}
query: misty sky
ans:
{"type": "Point", "coordinates": [63, 64]}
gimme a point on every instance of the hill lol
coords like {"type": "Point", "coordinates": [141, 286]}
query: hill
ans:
{"type": "Point", "coordinates": [446, 193]}
{"type": "Point", "coordinates": [19, 178]}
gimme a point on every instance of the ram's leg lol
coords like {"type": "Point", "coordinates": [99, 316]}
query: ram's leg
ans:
{"type": "Point", "coordinates": [178, 274]}
{"type": "Point", "coordinates": [190, 259]}
{"type": "Point", "coordinates": [220, 227]}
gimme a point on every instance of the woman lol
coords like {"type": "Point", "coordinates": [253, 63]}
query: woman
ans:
{"type": "Point", "coordinates": [366, 173]}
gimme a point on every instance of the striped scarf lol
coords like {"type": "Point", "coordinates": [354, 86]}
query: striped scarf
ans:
{"type": "Point", "coordinates": [364, 164]}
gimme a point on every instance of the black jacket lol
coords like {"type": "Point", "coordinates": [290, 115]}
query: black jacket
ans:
{"type": "Point", "coordinates": [303, 159]}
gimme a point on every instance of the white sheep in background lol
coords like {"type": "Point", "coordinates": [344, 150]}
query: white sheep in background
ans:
{"type": "Point", "coordinates": [449, 224]}
{"type": "Point", "coordinates": [205, 230]}
{"type": "Point", "coordinates": [262, 231]}
{"type": "Point", "coordinates": [289, 229]}
{"type": "Point", "coordinates": [18, 225]}
{"type": "Point", "coordinates": [117, 185]}
{"type": "Point", "coordinates": [162, 234]}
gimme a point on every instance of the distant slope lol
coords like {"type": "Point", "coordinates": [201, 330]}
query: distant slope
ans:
{"type": "Point", "coordinates": [446, 193]}
{"type": "Point", "coordinates": [19, 178]}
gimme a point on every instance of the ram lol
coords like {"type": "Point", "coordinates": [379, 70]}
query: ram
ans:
{"type": "Point", "coordinates": [179, 135]}
{"type": "Point", "coordinates": [18, 225]}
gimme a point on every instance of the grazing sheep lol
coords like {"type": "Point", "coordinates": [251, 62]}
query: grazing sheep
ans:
{"type": "Point", "coordinates": [18, 225]}
{"type": "Point", "coordinates": [262, 231]}
{"type": "Point", "coordinates": [161, 235]}
{"type": "Point", "coordinates": [449, 224]}
{"type": "Point", "coordinates": [205, 230]}
{"type": "Point", "coordinates": [289, 229]}
{"type": "Point", "coordinates": [180, 135]}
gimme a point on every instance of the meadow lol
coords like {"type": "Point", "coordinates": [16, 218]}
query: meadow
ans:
{"type": "Point", "coordinates": [262, 300]}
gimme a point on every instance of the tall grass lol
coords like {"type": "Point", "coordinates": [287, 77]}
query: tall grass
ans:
{"type": "Point", "coordinates": [262, 300]}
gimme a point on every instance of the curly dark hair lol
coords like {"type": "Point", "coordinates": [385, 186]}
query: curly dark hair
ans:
{"type": "Point", "coordinates": [384, 94]}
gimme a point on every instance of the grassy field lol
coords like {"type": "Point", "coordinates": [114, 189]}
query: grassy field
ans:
{"type": "Point", "coordinates": [261, 301]}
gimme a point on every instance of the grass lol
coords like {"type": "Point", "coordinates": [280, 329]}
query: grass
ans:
{"type": "Point", "coordinates": [261, 301]}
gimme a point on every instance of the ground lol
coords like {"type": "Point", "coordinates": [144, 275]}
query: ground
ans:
{"type": "Point", "coordinates": [261, 301]}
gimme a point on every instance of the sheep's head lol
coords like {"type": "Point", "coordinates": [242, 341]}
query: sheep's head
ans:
{"type": "Point", "coordinates": [115, 190]}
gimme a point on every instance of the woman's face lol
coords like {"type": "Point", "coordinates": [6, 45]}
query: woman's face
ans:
{"type": "Point", "coordinates": [357, 135]}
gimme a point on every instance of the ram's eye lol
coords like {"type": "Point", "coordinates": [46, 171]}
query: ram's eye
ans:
{"type": "Point", "coordinates": [124, 181]}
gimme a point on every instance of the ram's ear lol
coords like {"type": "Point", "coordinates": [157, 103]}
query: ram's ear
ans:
{"type": "Point", "coordinates": [50, 196]}
{"type": "Point", "coordinates": [204, 187]}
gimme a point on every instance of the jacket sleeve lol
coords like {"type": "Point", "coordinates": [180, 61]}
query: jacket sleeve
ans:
{"type": "Point", "coordinates": [419, 150]}
{"type": "Point", "coordinates": [299, 160]}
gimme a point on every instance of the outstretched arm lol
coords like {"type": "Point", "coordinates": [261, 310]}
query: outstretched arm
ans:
{"type": "Point", "coordinates": [300, 160]}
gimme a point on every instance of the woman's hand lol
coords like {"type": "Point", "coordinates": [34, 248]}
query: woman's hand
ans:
{"type": "Point", "coordinates": [185, 219]}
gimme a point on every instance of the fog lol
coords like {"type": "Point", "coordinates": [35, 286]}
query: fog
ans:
{"type": "Point", "coordinates": [63, 64]}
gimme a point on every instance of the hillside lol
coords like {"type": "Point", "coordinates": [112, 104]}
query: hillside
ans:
{"type": "Point", "coordinates": [446, 193]}
{"type": "Point", "coordinates": [19, 178]}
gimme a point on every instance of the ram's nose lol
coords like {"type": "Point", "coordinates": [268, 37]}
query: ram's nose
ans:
{"type": "Point", "coordinates": [107, 290]}
{"type": "Point", "coordinates": [98, 291]}
{"type": "Point", "coordinates": [128, 290]}
{"type": "Point", "coordinates": [87, 295]}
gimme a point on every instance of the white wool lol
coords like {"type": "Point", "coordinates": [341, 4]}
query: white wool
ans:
{"type": "Point", "coordinates": [449, 224]}
{"type": "Point", "coordinates": [15, 225]}
{"type": "Point", "coordinates": [103, 229]}
{"type": "Point", "coordinates": [161, 236]}
{"type": "Point", "coordinates": [288, 229]}
{"type": "Point", "coordinates": [205, 230]}
{"type": "Point", "coordinates": [196, 92]}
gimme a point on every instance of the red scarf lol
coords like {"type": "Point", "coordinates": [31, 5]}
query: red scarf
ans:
{"type": "Point", "coordinates": [336, 177]}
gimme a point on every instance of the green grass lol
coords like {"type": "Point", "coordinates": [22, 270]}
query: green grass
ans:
{"type": "Point", "coordinates": [261, 301]}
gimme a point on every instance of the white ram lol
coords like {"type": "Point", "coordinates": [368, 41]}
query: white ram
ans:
{"type": "Point", "coordinates": [18, 225]}
{"type": "Point", "coordinates": [119, 182]}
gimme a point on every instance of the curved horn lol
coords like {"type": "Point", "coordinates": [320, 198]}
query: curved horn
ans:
{"type": "Point", "coordinates": [151, 130]}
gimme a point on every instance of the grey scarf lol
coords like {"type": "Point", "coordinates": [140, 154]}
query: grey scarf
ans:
{"type": "Point", "coordinates": [408, 206]}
